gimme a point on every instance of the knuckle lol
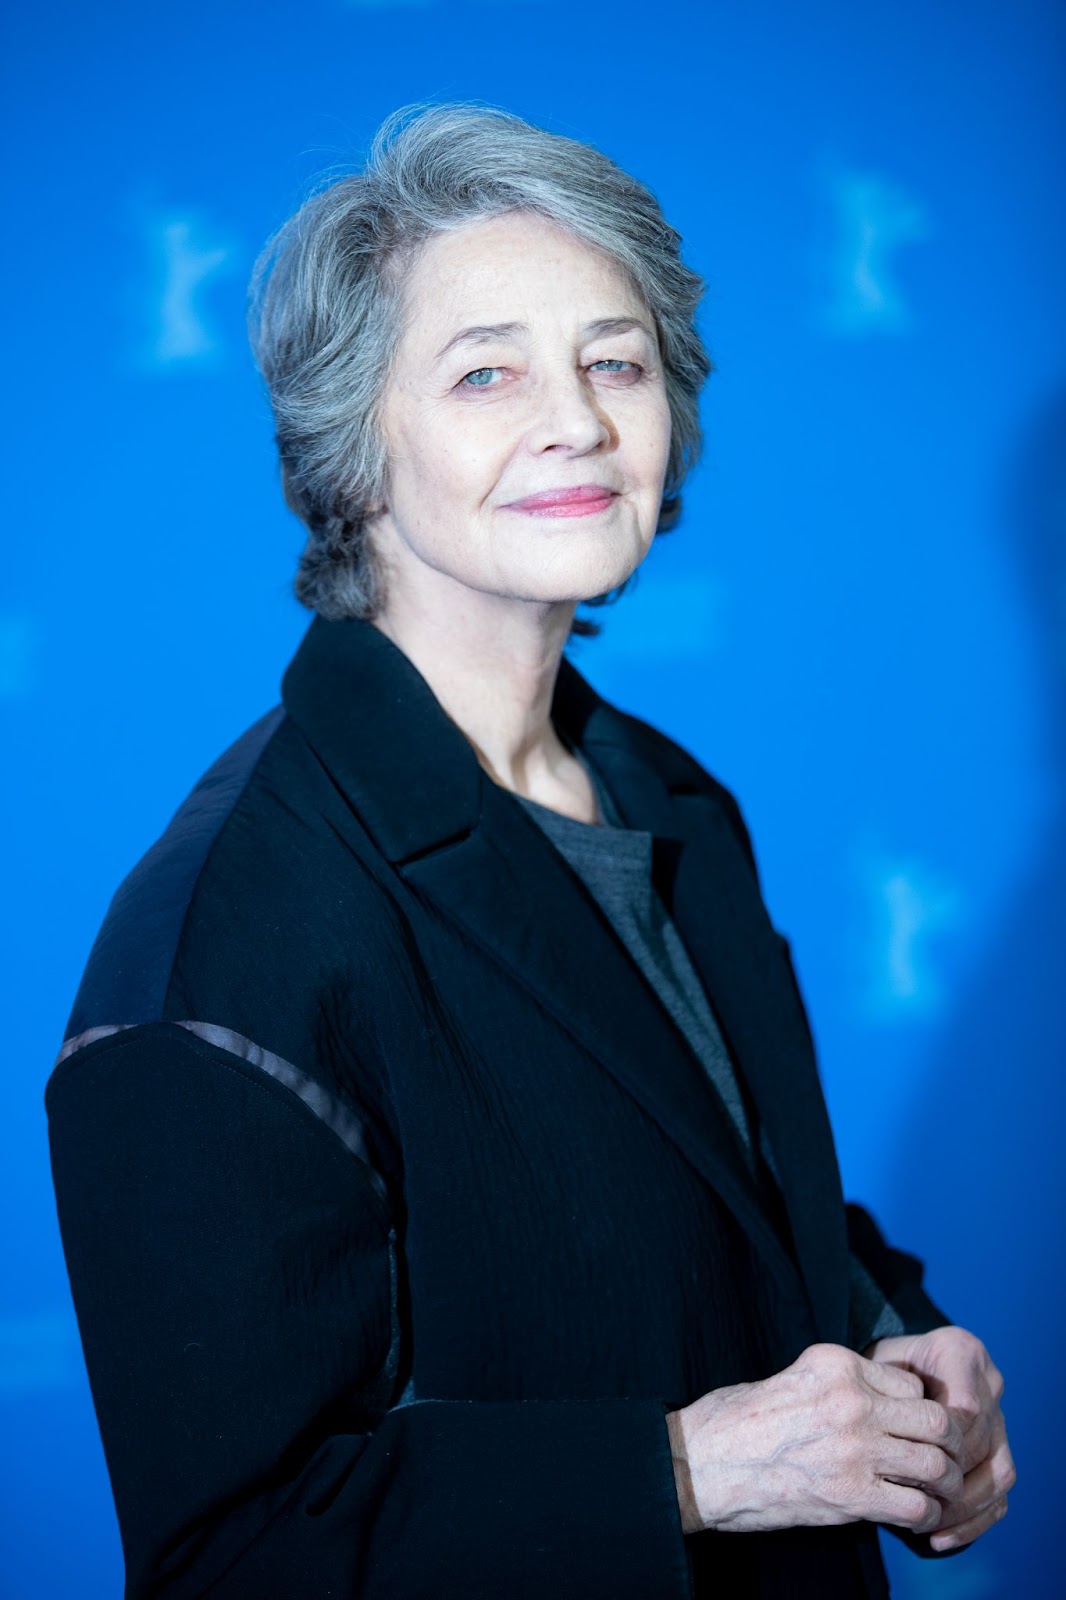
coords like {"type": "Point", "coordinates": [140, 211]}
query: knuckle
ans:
{"type": "Point", "coordinates": [912, 1382]}
{"type": "Point", "coordinates": [922, 1512]}
{"type": "Point", "coordinates": [903, 1382]}
{"type": "Point", "coordinates": [963, 1339]}
{"type": "Point", "coordinates": [934, 1466]}
{"type": "Point", "coordinates": [938, 1420]}
{"type": "Point", "coordinates": [1004, 1476]}
{"type": "Point", "coordinates": [848, 1408]}
{"type": "Point", "coordinates": [833, 1359]}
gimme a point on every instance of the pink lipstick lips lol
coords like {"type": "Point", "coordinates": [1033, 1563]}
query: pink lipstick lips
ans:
{"type": "Point", "coordinates": [581, 501]}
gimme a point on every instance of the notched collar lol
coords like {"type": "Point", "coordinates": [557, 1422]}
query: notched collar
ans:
{"type": "Point", "coordinates": [407, 769]}
{"type": "Point", "coordinates": [465, 843]}
{"type": "Point", "coordinates": [374, 720]}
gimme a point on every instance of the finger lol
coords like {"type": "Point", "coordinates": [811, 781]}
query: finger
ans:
{"type": "Point", "coordinates": [1001, 1462]}
{"type": "Point", "coordinates": [966, 1385]}
{"type": "Point", "coordinates": [896, 1382]}
{"type": "Point", "coordinates": [967, 1532]}
{"type": "Point", "coordinates": [906, 1507]}
{"type": "Point", "coordinates": [979, 1492]}
{"type": "Point", "coordinates": [925, 1466]}
{"type": "Point", "coordinates": [924, 1421]}
{"type": "Point", "coordinates": [989, 1481]}
{"type": "Point", "coordinates": [986, 1440]}
{"type": "Point", "coordinates": [978, 1437]}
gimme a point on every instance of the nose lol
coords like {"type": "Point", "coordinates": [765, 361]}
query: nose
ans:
{"type": "Point", "coordinates": [568, 414]}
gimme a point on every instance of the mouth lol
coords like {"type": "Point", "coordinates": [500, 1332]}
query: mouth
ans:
{"type": "Point", "coordinates": [582, 501]}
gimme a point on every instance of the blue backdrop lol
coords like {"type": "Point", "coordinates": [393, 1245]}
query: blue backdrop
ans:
{"type": "Point", "coordinates": [869, 580]}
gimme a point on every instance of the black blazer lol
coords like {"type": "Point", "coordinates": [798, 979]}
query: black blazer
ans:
{"type": "Point", "coordinates": [397, 1210]}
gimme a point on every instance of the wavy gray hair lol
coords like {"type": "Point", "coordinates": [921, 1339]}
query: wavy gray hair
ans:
{"type": "Point", "coordinates": [325, 310]}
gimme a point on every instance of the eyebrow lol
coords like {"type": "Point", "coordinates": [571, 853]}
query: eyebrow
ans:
{"type": "Point", "coordinates": [486, 332]}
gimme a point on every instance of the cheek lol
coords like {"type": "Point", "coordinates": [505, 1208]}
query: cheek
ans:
{"type": "Point", "coordinates": [423, 480]}
{"type": "Point", "coordinates": [460, 462]}
{"type": "Point", "coordinates": [471, 464]}
{"type": "Point", "coordinates": [665, 432]}
{"type": "Point", "coordinates": [648, 439]}
{"type": "Point", "coordinates": [648, 464]}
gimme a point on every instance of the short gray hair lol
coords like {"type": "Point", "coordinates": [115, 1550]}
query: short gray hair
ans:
{"type": "Point", "coordinates": [325, 310]}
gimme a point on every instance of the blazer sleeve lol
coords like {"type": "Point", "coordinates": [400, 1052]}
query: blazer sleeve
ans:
{"type": "Point", "coordinates": [899, 1276]}
{"type": "Point", "coordinates": [232, 1269]}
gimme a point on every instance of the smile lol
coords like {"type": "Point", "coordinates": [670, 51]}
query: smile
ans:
{"type": "Point", "coordinates": [583, 502]}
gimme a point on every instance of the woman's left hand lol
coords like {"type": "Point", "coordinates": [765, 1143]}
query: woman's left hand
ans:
{"type": "Point", "coordinates": [958, 1372]}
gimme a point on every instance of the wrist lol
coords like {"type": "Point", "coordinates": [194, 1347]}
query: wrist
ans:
{"type": "Point", "coordinates": [720, 1474]}
{"type": "Point", "coordinates": [686, 1497]}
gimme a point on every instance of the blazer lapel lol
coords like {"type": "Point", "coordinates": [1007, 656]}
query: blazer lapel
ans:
{"type": "Point", "coordinates": [467, 847]}
{"type": "Point", "coordinates": [718, 909]}
{"type": "Point", "coordinates": [510, 891]}
{"type": "Point", "coordinates": [724, 924]}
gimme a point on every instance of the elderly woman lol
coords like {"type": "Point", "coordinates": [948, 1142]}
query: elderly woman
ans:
{"type": "Point", "coordinates": [445, 1184]}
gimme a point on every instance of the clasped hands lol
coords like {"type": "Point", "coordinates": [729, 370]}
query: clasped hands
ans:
{"type": "Point", "coordinates": [957, 1373]}
{"type": "Point", "coordinates": [910, 1434]}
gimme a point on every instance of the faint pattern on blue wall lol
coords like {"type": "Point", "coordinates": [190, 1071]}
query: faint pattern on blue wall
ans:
{"type": "Point", "coordinates": [18, 638]}
{"type": "Point", "coordinates": [872, 220]}
{"type": "Point", "coordinates": [907, 907]}
{"type": "Point", "coordinates": [39, 1350]}
{"type": "Point", "coordinates": [185, 254]}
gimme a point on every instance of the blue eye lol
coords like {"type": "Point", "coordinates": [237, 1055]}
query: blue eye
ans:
{"type": "Point", "coordinates": [481, 377]}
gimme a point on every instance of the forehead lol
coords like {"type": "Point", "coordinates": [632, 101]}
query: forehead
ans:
{"type": "Point", "coordinates": [502, 268]}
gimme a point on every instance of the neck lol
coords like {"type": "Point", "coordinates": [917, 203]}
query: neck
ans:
{"type": "Point", "coordinates": [492, 664]}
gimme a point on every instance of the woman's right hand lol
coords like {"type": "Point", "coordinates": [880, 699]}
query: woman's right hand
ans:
{"type": "Point", "coordinates": [833, 1438]}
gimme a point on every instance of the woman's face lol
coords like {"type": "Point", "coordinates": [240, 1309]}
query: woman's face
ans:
{"type": "Point", "coordinates": [528, 367]}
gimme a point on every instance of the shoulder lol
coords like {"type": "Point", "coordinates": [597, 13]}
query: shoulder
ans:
{"type": "Point", "coordinates": [224, 913]}
{"type": "Point", "coordinates": [231, 952]}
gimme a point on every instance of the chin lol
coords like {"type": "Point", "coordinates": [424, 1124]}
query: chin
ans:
{"type": "Point", "coordinates": [585, 574]}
